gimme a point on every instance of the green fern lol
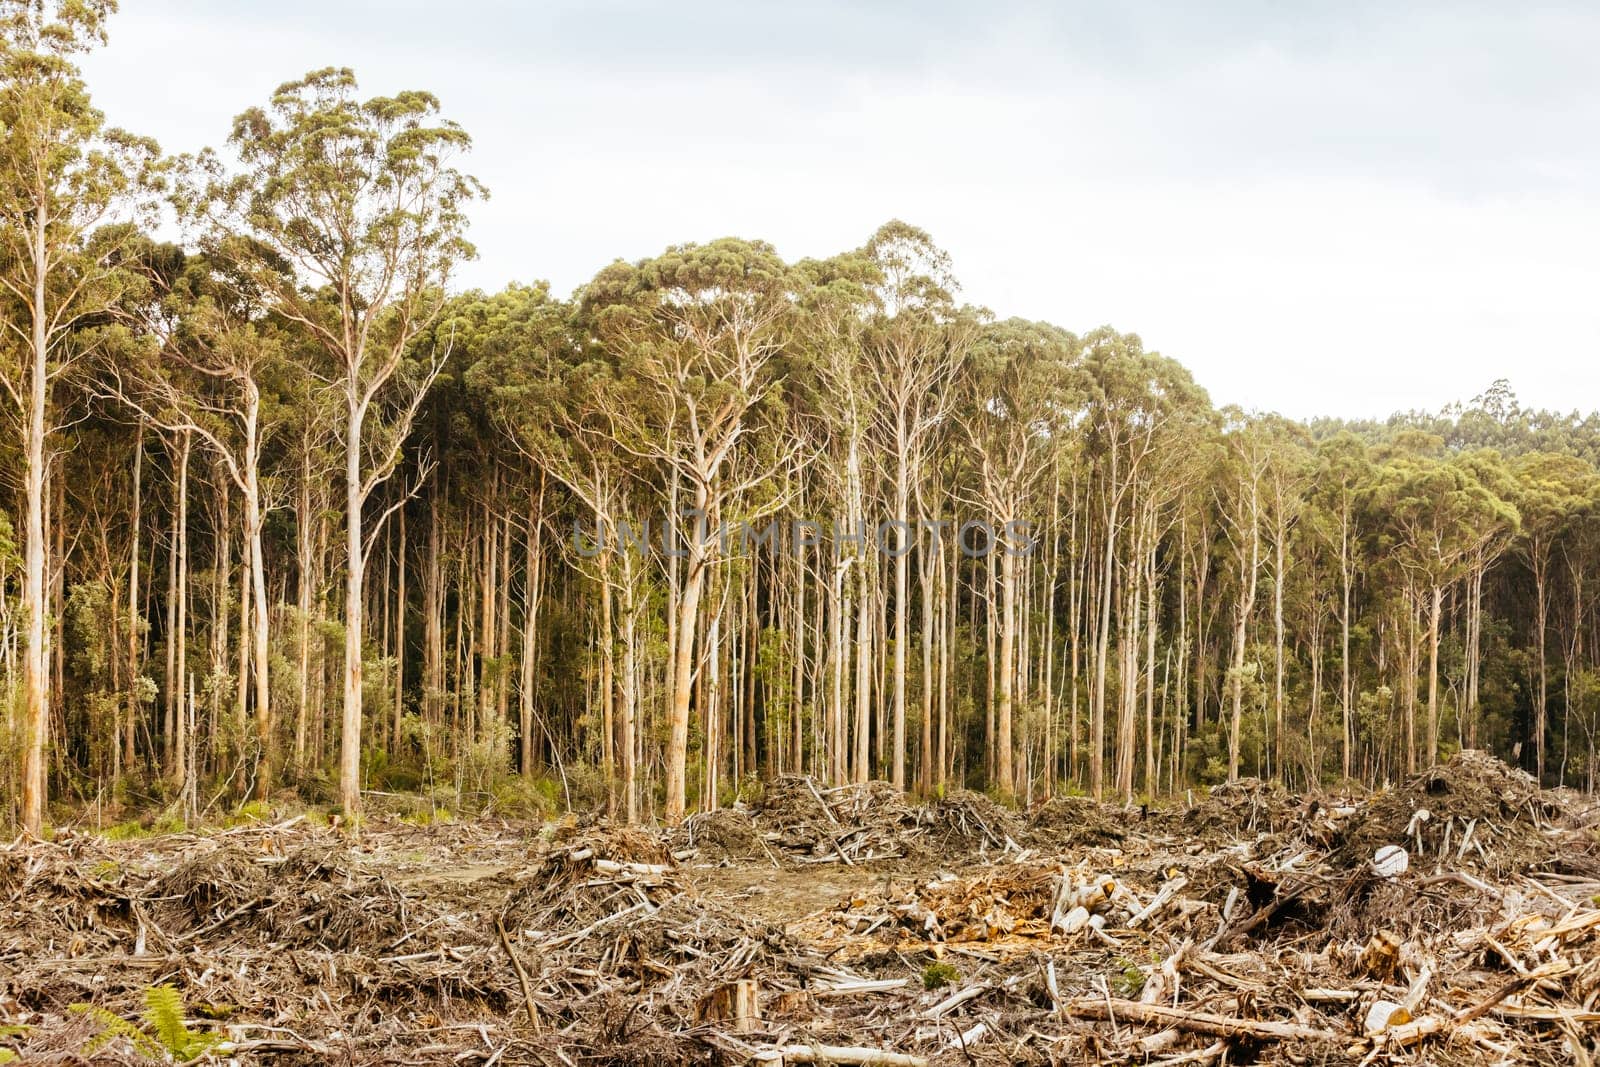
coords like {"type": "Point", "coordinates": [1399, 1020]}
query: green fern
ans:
{"type": "Point", "coordinates": [113, 1026]}
{"type": "Point", "coordinates": [163, 1013]}
{"type": "Point", "coordinates": [8, 1055]}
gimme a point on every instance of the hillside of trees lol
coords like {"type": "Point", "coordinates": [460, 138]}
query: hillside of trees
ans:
{"type": "Point", "coordinates": [284, 509]}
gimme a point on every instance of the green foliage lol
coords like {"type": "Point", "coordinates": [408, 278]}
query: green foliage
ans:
{"type": "Point", "coordinates": [129, 830]}
{"type": "Point", "coordinates": [1129, 981]}
{"type": "Point", "coordinates": [434, 816]}
{"type": "Point", "coordinates": [938, 975]}
{"type": "Point", "coordinates": [164, 1014]}
{"type": "Point", "coordinates": [169, 821]}
{"type": "Point", "coordinates": [253, 811]}
{"type": "Point", "coordinates": [163, 1017]}
{"type": "Point", "coordinates": [535, 799]}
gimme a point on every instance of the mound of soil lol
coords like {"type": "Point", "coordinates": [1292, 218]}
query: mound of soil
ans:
{"type": "Point", "coordinates": [596, 913]}
{"type": "Point", "coordinates": [1001, 905]}
{"type": "Point", "coordinates": [727, 835]}
{"type": "Point", "coordinates": [963, 822]}
{"type": "Point", "coordinates": [1078, 822]}
{"type": "Point", "coordinates": [315, 896]}
{"type": "Point", "coordinates": [61, 899]}
{"type": "Point", "coordinates": [798, 821]}
{"type": "Point", "coordinates": [858, 823]}
{"type": "Point", "coordinates": [1472, 812]}
{"type": "Point", "coordinates": [1242, 809]}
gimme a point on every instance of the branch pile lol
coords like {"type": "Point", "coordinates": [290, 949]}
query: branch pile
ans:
{"type": "Point", "coordinates": [1323, 931]}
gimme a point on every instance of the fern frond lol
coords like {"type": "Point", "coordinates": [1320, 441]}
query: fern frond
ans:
{"type": "Point", "coordinates": [163, 1013]}
{"type": "Point", "coordinates": [113, 1026]}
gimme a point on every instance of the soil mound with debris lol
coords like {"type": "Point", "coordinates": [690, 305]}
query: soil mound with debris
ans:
{"type": "Point", "coordinates": [727, 835]}
{"type": "Point", "coordinates": [851, 824]}
{"type": "Point", "coordinates": [1079, 822]}
{"type": "Point", "coordinates": [1009, 904]}
{"type": "Point", "coordinates": [1242, 809]}
{"type": "Point", "coordinates": [314, 896]}
{"type": "Point", "coordinates": [1472, 812]}
{"type": "Point", "coordinates": [622, 938]}
{"type": "Point", "coordinates": [797, 821]}
{"type": "Point", "coordinates": [60, 899]}
{"type": "Point", "coordinates": [963, 822]}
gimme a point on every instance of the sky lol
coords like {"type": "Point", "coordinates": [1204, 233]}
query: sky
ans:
{"type": "Point", "coordinates": [1341, 209]}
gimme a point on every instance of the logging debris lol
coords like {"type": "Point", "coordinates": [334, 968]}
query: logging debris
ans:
{"type": "Point", "coordinates": [838, 926]}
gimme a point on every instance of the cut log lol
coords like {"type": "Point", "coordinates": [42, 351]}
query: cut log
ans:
{"type": "Point", "coordinates": [1196, 1022]}
{"type": "Point", "coordinates": [837, 1054]}
{"type": "Point", "coordinates": [737, 1003]}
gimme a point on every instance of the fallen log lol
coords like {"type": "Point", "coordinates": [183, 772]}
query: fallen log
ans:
{"type": "Point", "coordinates": [522, 976]}
{"type": "Point", "coordinates": [837, 1054]}
{"type": "Point", "coordinates": [1196, 1022]}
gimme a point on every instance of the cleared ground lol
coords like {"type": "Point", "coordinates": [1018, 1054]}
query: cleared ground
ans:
{"type": "Point", "coordinates": [833, 926]}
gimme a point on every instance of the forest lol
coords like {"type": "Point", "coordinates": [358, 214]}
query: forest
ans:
{"type": "Point", "coordinates": [286, 511]}
{"type": "Point", "coordinates": [740, 660]}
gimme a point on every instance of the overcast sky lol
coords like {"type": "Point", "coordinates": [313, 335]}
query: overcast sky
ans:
{"type": "Point", "coordinates": [1380, 207]}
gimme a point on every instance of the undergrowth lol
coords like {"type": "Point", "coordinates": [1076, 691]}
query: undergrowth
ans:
{"type": "Point", "coordinates": [164, 1033]}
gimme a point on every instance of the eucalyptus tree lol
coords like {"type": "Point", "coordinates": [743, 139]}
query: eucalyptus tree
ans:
{"type": "Point", "coordinates": [1342, 475]}
{"type": "Point", "coordinates": [1250, 456]}
{"type": "Point", "coordinates": [215, 378]}
{"type": "Point", "coordinates": [1180, 466]}
{"type": "Point", "coordinates": [1130, 398]}
{"type": "Point", "coordinates": [1491, 471]}
{"type": "Point", "coordinates": [501, 385]}
{"type": "Point", "coordinates": [913, 349]}
{"type": "Point", "coordinates": [72, 193]}
{"type": "Point", "coordinates": [1288, 472]}
{"type": "Point", "coordinates": [349, 216]}
{"type": "Point", "coordinates": [1018, 398]}
{"type": "Point", "coordinates": [1578, 621]}
{"type": "Point", "coordinates": [1438, 513]}
{"type": "Point", "coordinates": [1552, 489]}
{"type": "Point", "coordinates": [548, 393]}
{"type": "Point", "coordinates": [693, 334]}
{"type": "Point", "coordinates": [835, 404]}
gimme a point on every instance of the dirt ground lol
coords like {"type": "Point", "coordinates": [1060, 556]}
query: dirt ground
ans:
{"type": "Point", "coordinates": [818, 925]}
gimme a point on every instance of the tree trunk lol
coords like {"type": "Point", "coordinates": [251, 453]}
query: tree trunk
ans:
{"type": "Point", "coordinates": [181, 767]}
{"type": "Point", "coordinates": [260, 619]}
{"type": "Point", "coordinates": [683, 671]}
{"type": "Point", "coordinates": [530, 618]}
{"type": "Point", "coordinates": [630, 691]}
{"type": "Point", "coordinates": [126, 747]}
{"type": "Point", "coordinates": [1279, 576]}
{"type": "Point", "coordinates": [36, 716]}
{"type": "Point", "coordinates": [1345, 694]}
{"type": "Point", "coordinates": [1541, 623]}
{"type": "Point", "coordinates": [1007, 673]}
{"type": "Point", "coordinates": [1150, 783]}
{"type": "Point", "coordinates": [350, 725]}
{"type": "Point", "coordinates": [902, 575]}
{"type": "Point", "coordinates": [1097, 708]}
{"type": "Point", "coordinates": [433, 622]}
{"type": "Point", "coordinates": [863, 752]}
{"type": "Point", "coordinates": [1432, 751]}
{"type": "Point", "coordinates": [1248, 567]}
